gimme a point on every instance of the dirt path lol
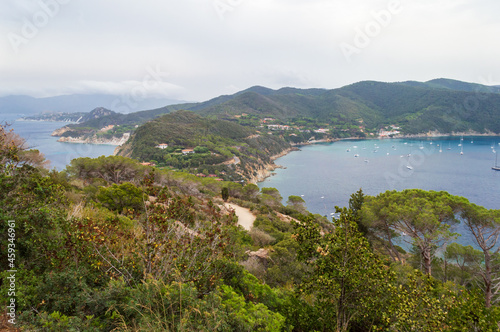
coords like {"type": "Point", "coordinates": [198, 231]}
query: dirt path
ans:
{"type": "Point", "coordinates": [245, 217]}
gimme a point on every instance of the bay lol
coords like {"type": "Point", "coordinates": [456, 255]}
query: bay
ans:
{"type": "Point", "coordinates": [60, 154]}
{"type": "Point", "coordinates": [325, 175]}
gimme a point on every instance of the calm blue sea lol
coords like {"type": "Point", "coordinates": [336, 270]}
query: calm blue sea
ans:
{"type": "Point", "coordinates": [59, 154]}
{"type": "Point", "coordinates": [325, 175]}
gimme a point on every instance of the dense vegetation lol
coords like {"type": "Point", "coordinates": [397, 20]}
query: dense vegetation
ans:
{"type": "Point", "coordinates": [109, 244]}
{"type": "Point", "coordinates": [443, 105]}
{"type": "Point", "coordinates": [357, 110]}
{"type": "Point", "coordinates": [232, 151]}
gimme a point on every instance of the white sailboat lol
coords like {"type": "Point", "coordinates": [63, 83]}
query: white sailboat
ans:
{"type": "Point", "coordinates": [496, 167]}
{"type": "Point", "coordinates": [408, 166]}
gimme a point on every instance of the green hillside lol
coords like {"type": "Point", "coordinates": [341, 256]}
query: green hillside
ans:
{"type": "Point", "coordinates": [234, 136]}
{"type": "Point", "coordinates": [94, 121]}
{"type": "Point", "coordinates": [219, 146]}
{"type": "Point", "coordinates": [440, 105]}
{"type": "Point", "coordinates": [420, 109]}
{"type": "Point", "coordinates": [113, 245]}
{"type": "Point", "coordinates": [359, 109]}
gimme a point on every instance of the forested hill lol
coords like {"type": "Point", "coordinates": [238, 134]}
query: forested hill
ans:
{"type": "Point", "coordinates": [204, 145]}
{"type": "Point", "coordinates": [440, 105]}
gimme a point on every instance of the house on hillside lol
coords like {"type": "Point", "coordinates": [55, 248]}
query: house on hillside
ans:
{"type": "Point", "coordinates": [322, 131]}
{"type": "Point", "coordinates": [162, 146]}
{"type": "Point", "coordinates": [187, 151]}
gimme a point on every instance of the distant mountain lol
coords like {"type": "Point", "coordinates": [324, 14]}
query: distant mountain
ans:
{"type": "Point", "coordinates": [77, 117]}
{"type": "Point", "coordinates": [97, 113]}
{"type": "Point", "coordinates": [56, 116]}
{"type": "Point", "coordinates": [112, 118]}
{"type": "Point", "coordinates": [441, 105]}
{"type": "Point", "coordinates": [25, 105]}
{"type": "Point", "coordinates": [234, 134]}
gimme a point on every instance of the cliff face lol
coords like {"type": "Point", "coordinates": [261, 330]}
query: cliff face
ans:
{"type": "Point", "coordinates": [60, 131]}
{"type": "Point", "coordinates": [95, 140]}
{"type": "Point", "coordinates": [264, 170]}
{"type": "Point", "coordinates": [124, 149]}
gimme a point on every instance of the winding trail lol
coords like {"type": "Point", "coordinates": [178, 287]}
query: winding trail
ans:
{"type": "Point", "coordinates": [245, 217]}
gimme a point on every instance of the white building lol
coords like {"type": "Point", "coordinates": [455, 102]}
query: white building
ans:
{"type": "Point", "coordinates": [162, 146]}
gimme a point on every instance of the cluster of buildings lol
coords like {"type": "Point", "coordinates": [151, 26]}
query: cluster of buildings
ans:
{"type": "Point", "coordinates": [275, 127]}
{"type": "Point", "coordinates": [389, 131]}
{"type": "Point", "coordinates": [165, 145]}
{"type": "Point", "coordinates": [279, 127]}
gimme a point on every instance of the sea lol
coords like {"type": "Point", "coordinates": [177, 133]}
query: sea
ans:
{"type": "Point", "coordinates": [37, 135]}
{"type": "Point", "coordinates": [326, 174]}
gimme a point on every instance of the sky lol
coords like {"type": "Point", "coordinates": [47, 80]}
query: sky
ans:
{"type": "Point", "coordinates": [195, 50]}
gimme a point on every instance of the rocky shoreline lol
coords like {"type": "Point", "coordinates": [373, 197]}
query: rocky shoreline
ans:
{"type": "Point", "coordinates": [266, 170]}
{"type": "Point", "coordinates": [95, 140]}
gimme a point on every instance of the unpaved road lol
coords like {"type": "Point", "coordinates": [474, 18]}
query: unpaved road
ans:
{"type": "Point", "coordinates": [245, 217]}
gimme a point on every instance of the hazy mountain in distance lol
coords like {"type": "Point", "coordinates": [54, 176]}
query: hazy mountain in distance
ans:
{"type": "Point", "coordinates": [454, 85]}
{"type": "Point", "coordinates": [26, 105]}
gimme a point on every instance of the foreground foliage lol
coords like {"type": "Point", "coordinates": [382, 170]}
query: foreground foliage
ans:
{"type": "Point", "coordinates": [110, 245]}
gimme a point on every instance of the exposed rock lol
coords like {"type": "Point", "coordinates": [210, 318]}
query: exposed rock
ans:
{"type": "Point", "coordinates": [261, 253]}
{"type": "Point", "coordinates": [60, 131]}
{"type": "Point", "coordinates": [285, 218]}
{"type": "Point", "coordinates": [95, 140]}
{"type": "Point", "coordinates": [264, 171]}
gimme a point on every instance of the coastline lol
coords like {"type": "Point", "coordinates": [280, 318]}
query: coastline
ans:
{"type": "Point", "coordinates": [433, 134]}
{"type": "Point", "coordinates": [265, 172]}
{"type": "Point", "coordinates": [33, 120]}
{"type": "Point", "coordinates": [94, 140]}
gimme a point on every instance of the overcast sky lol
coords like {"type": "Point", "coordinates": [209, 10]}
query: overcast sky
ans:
{"type": "Point", "coordinates": [198, 49]}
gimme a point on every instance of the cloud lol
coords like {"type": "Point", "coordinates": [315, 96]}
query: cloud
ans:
{"type": "Point", "coordinates": [147, 88]}
{"type": "Point", "coordinates": [108, 45]}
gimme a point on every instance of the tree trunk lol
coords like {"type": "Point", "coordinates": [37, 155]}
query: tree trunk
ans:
{"type": "Point", "coordinates": [393, 251]}
{"type": "Point", "coordinates": [488, 294]}
{"type": "Point", "coordinates": [427, 260]}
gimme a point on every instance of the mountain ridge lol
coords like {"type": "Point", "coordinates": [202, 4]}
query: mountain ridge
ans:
{"type": "Point", "coordinates": [362, 108]}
